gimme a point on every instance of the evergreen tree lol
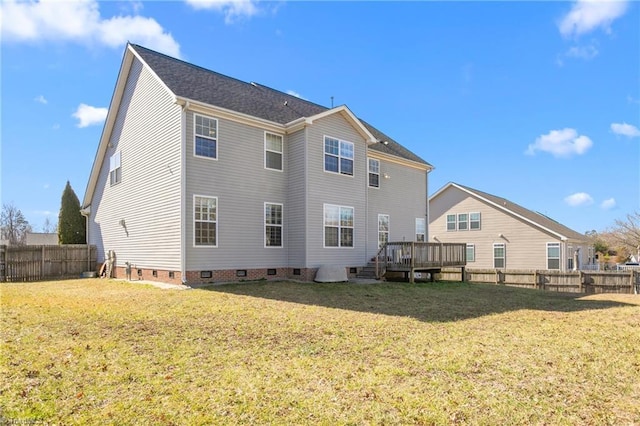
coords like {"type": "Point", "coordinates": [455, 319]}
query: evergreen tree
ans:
{"type": "Point", "coordinates": [71, 223]}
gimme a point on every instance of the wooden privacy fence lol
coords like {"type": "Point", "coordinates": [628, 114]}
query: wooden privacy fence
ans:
{"type": "Point", "coordinates": [32, 263]}
{"type": "Point", "coordinates": [564, 281]}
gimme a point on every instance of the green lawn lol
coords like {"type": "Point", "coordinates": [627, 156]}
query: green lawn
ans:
{"type": "Point", "coordinates": [108, 352]}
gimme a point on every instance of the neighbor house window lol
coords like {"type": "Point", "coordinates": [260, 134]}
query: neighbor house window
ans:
{"type": "Point", "coordinates": [206, 137]}
{"type": "Point", "coordinates": [338, 226]}
{"type": "Point", "coordinates": [451, 222]}
{"type": "Point", "coordinates": [553, 255]}
{"type": "Point", "coordinates": [383, 229]}
{"type": "Point", "coordinates": [374, 173]}
{"type": "Point", "coordinates": [338, 156]}
{"type": "Point", "coordinates": [463, 225]}
{"type": "Point", "coordinates": [421, 228]}
{"type": "Point", "coordinates": [499, 260]}
{"type": "Point", "coordinates": [471, 253]}
{"type": "Point", "coordinates": [205, 220]}
{"type": "Point", "coordinates": [273, 225]}
{"type": "Point", "coordinates": [272, 151]}
{"type": "Point", "coordinates": [474, 221]}
{"type": "Point", "coordinates": [115, 169]}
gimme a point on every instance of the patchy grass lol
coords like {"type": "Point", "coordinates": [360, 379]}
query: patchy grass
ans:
{"type": "Point", "coordinates": [108, 352]}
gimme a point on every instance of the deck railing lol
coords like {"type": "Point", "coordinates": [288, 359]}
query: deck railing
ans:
{"type": "Point", "coordinates": [413, 255]}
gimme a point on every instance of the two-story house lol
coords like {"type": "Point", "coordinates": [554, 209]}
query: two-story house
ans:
{"type": "Point", "coordinates": [199, 177]}
{"type": "Point", "coordinates": [501, 234]}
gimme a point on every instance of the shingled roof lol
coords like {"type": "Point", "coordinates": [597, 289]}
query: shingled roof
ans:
{"type": "Point", "coordinates": [200, 84]}
{"type": "Point", "coordinates": [536, 218]}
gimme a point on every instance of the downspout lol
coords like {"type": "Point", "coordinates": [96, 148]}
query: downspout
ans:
{"type": "Point", "coordinates": [183, 191]}
{"type": "Point", "coordinates": [86, 212]}
{"type": "Point", "coordinates": [306, 195]}
{"type": "Point", "coordinates": [426, 224]}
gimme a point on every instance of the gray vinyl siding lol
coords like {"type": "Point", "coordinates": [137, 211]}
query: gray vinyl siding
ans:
{"type": "Point", "coordinates": [242, 185]}
{"type": "Point", "coordinates": [525, 244]}
{"type": "Point", "coordinates": [331, 188]}
{"type": "Point", "coordinates": [296, 199]}
{"type": "Point", "coordinates": [147, 133]}
{"type": "Point", "coordinates": [403, 196]}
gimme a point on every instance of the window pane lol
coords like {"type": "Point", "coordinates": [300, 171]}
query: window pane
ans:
{"type": "Point", "coordinates": [205, 233]}
{"type": "Point", "coordinates": [330, 163]}
{"type": "Point", "coordinates": [330, 236]}
{"type": "Point", "coordinates": [474, 221]}
{"type": "Point", "coordinates": [346, 166]}
{"type": "Point", "coordinates": [273, 236]}
{"type": "Point", "coordinates": [471, 253]}
{"type": "Point", "coordinates": [274, 160]}
{"type": "Point", "coordinates": [346, 150]}
{"type": "Point", "coordinates": [553, 251]}
{"type": "Point", "coordinates": [553, 263]}
{"type": "Point", "coordinates": [374, 166]}
{"type": "Point", "coordinates": [451, 222]}
{"type": "Point", "coordinates": [498, 263]}
{"type": "Point", "coordinates": [374, 180]}
{"type": "Point", "coordinates": [205, 147]}
{"type": "Point", "coordinates": [383, 223]}
{"type": "Point", "coordinates": [420, 237]}
{"type": "Point", "coordinates": [331, 215]}
{"type": "Point", "coordinates": [274, 142]}
{"type": "Point", "coordinates": [420, 226]}
{"type": "Point", "coordinates": [273, 214]}
{"type": "Point", "coordinates": [331, 146]}
{"type": "Point", "coordinates": [346, 237]}
{"type": "Point", "coordinates": [346, 216]}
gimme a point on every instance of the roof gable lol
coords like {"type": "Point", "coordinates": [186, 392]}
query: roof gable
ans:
{"type": "Point", "coordinates": [534, 218]}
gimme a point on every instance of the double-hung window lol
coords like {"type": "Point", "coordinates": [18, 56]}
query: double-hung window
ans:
{"type": "Point", "coordinates": [463, 225]}
{"type": "Point", "coordinates": [272, 151]}
{"type": "Point", "coordinates": [499, 255]}
{"type": "Point", "coordinates": [338, 226]}
{"type": "Point", "coordinates": [206, 137]}
{"type": "Point", "coordinates": [205, 221]}
{"type": "Point", "coordinates": [338, 156]}
{"type": "Point", "coordinates": [374, 173]}
{"type": "Point", "coordinates": [471, 253]}
{"type": "Point", "coordinates": [474, 221]}
{"type": "Point", "coordinates": [115, 169]}
{"type": "Point", "coordinates": [553, 255]}
{"type": "Point", "coordinates": [421, 228]}
{"type": "Point", "coordinates": [273, 225]}
{"type": "Point", "coordinates": [383, 229]}
{"type": "Point", "coordinates": [451, 222]}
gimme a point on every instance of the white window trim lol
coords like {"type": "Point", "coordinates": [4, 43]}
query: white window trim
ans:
{"type": "Point", "coordinates": [424, 225]}
{"type": "Point", "coordinates": [473, 248]}
{"type": "Point", "coordinates": [113, 167]}
{"type": "Point", "coordinates": [217, 139]}
{"type": "Point", "coordinates": [193, 209]}
{"type": "Point", "coordinates": [546, 256]}
{"type": "Point", "coordinates": [339, 246]}
{"type": "Point", "coordinates": [324, 153]}
{"type": "Point", "coordinates": [479, 221]}
{"type": "Point", "coordinates": [270, 150]}
{"type": "Point", "coordinates": [281, 226]}
{"type": "Point", "coordinates": [504, 251]}
{"type": "Point", "coordinates": [384, 232]}
{"type": "Point", "coordinates": [369, 172]}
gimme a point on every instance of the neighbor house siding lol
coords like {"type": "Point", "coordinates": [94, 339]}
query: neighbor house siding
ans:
{"type": "Point", "coordinates": [336, 189]}
{"type": "Point", "coordinates": [402, 195]}
{"type": "Point", "coordinates": [296, 198]}
{"type": "Point", "coordinates": [147, 200]}
{"type": "Point", "coordinates": [525, 244]}
{"type": "Point", "coordinates": [242, 185]}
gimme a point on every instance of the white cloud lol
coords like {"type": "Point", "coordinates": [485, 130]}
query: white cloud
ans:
{"type": "Point", "coordinates": [608, 204]}
{"type": "Point", "coordinates": [625, 129]}
{"type": "Point", "coordinates": [588, 15]}
{"type": "Point", "coordinates": [89, 115]}
{"type": "Point", "coordinates": [41, 99]}
{"type": "Point", "coordinates": [232, 9]}
{"type": "Point", "coordinates": [582, 52]}
{"type": "Point", "coordinates": [81, 22]}
{"type": "Point", "coordinates": [579, 199]}
{"type": "Point", "coordinates": [561, 143]}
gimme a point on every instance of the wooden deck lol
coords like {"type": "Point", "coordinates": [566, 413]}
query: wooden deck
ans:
{"type": "Point", "coordinates": [411, 256]}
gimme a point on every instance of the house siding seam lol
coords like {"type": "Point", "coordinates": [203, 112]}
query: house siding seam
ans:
{"type": "Point", "coordinates": [147, 133]}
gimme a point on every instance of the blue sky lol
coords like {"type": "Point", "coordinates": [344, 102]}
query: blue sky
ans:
{"type": "Point", "coordinates": [537, 102]}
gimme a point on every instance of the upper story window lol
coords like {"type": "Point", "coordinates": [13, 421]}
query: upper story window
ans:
{"type": "Point", "coordinates": [463, 223]}
{"type": "Point", "coordinates": [115, 169]}
{"type": "Point", "coordinates": [206, 137]}
{"type": "Point", "coordinates": [338, 226]}
{"type": "Point", "coordinates": [451, 222]}
{"type": "Point", "coordinates": [374, 173]}
{"type": "Point", "coordinates": [553, 255]}
{"type": "Point", "coordinates": [338, 156]}
{"type": "Point", "coordinates": [272, 151]}
{"type": "Point", "coordinates": [421, 228]}
{"type": "Point", "coordinates": [474, 221]}
{"type": "Point", "coordinates": [273, 225]}
{"type": "Point", "coordinates": [205, 221]}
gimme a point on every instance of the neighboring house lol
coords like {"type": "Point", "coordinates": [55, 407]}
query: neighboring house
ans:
{"type": "Point", "coordinates": [502, 234]}
{"type": "Point", "coordinates": [200, 177]}
{"type": "Point", "coordinates": [42, 239]}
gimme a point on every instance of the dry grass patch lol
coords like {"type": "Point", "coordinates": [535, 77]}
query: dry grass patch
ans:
{"type": "Point", "coordinates": [107, 352]}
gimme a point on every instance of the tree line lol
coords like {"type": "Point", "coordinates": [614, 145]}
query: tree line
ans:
{"type": "Point", "coordinates": [71, 226]}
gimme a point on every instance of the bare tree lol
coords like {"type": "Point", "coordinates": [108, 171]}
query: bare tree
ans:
{"type": "Point", "coordinates": [627, 232]}
{"type": "Point", "coordinates": [48, 226]}
{"type": "Point", "coordinates": [14, 225]}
